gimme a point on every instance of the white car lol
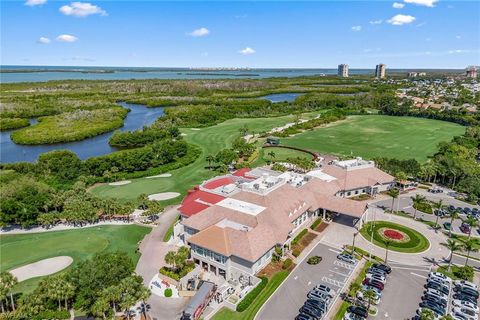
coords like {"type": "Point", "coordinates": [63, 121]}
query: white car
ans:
{"type": "Point", "coordinates": [467, 313]}
{"type": "Point", "coordinates": [375, 300]}
{"type": "Point", "coordinates": [440, 276]}
{"type": "Point", "coordinates": [438, 281]}
{"type": "Point", "coordinates": [375, 277]}
{"type": "Point", "coordinates": [435, 292]}
{"type": "Point", "coordinates": [465, 304]}
{"type": "Point", "coordinates": [323, 288]}
{"type": "Point", "coordinates": [352, 316]}
{"type": "Point", "coordinates": [463, 283]}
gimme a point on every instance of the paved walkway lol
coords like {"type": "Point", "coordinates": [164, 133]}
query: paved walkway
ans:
{"type": "Point", "coordinates": [153, 250]}
{"type": "Point", "coordinates": [338, 235]}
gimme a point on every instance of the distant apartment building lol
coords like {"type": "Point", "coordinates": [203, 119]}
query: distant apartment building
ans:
{"type": "Point", "coordinates": [471, 72]}
{"type": "Point", "coordinates": [380, 71]}
{"type": "Point", "coordinates": [343, 70]}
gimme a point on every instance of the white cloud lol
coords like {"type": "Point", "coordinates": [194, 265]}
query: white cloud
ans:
{"type": "Point", "coordinates": [81, 9]}
{"type": "Point", "coordinates": [458, 51]}
{"type": "Point", "coordinates": [426, 3]}
{"type": "Point", "coordinates": [247, 51]}
{"type": "Point", "coordinates": [202, 32]}
{"type": "Point", "coordinates": [43, 40]}
{"type": "Point", "coordinates": [32, 3]}
{"type": "Point", "coordinates": [66, 38]}
{"type": "Point", "coordinates": [356, 28]}
{"type": "Point", "coordinates": [401, 19]}
{"type": "Point", "coordinates": [375, 22]}
{"type": "Point", "coordinates": [398, 5]}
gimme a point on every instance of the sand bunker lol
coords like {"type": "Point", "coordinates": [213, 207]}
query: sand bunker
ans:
{"type": "Point", "coordinates": [119, 183]}
{"type": "Point", "coordinates": [163, 196]}
{"type": "Point", "coordinates": [163, 175]}
{"type": "Point", "coordinates": [195, 129]}
{"type": "Point", "coordinates": [42, 268]}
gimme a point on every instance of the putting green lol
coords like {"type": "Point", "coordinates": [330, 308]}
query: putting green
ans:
{"type": "Point", "coordinates": [378, 136]}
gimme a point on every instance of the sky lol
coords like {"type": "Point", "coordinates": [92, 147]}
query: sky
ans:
{"type": "Point", "coordinates": [256, 34]}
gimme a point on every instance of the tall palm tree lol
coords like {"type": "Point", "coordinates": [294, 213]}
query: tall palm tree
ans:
{"type": "Point", "coordinates": [472, 222]}
{"type": "Point", "coordinates": [471, 245]}
{"type": "Point", "coordinates": [417, 201]}
{"type": "Point", "coordinates": [370, 295]}
{"type": "Point", "coordinates": [437, 207]}
{"type": "Point", "coordinates": [454, 214]}
{"type": "Point", "coordinates": [387, 243]}
{"type": "Point", "coordinates": [393, 192]}
{"type": "Point", "coordinates": [453, 246]}
{"type": "Point", "coordinates": [171, 258]}
{"type": "Point", "coordinates": [8, 281]}
{"type": "Point", "coordinates": [354, 287]}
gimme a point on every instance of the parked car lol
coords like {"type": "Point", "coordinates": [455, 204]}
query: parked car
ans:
{"type": "Point", "coordinates": [348, 258]}
{"type": "Point", "coordinates": [420, 310]}
{"type": "Point", "coordinates": [317, 296]}
{"type": "Point", "coordinates": [438, 275]}
{"type": "Point", "coordinates": [361, 297]}
{"type": "Point", "coordinates": [315, 304]}
{"type": "Point", "coordinates": [361, 311]}
{"type": "Point", "coordinates": [465, 228]}
{"type": "Point", "coordinates": [376, 277]}
{"type": "Point", "coordinates": [376, 271]}
{"type": "Point", "coordinates": [383, 267]}
{"type": "Point", "coordinates": [437, 292]}
{"type": "Point", "coordinates": [447, 226]}
{"type": "Point", "coordinates": [323, 288]}
{"type": "Point", "coordinates": [436, 286]}
{"type": "Point", "coordinates": [304, 316]}
{"type": "Point", "coordinates": [435, 299]}
{"type": "Point", "coordinates": [438, 281]}
{"type": "Point", "coordinates": [465, 297]}
{"type": "Point", "coordinates": [315, 313]}
{"type": "Point", "coordinates": [458, 316]}
{"type": "Point", "coordinates": [374, 283]}
{"type": "Point", "coordinates": [432, 306]}
{"type": "Point", "coordinates": [464, 283]}
{"type": "Point", "coordinates": [468, 291]}
{"type": "Point", "coordinates": [465, 304]}
{"type": "Point", "coordinates": [352, 316]}
{"type": "Point", "coordinates": [377, 291]}
{"type": "Point", "coordinates": [466, 312]}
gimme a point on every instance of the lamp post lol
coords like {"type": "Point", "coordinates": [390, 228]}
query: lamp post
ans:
{"type": "Point", "coordinates": [353, 243]}
{"type": "Point", "coordinates": [371, 230]}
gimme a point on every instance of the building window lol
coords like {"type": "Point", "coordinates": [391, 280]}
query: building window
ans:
{"type": "Point", "coordinates": [349, 193]}
{"type": "Point", "coordinates": [356, 191]}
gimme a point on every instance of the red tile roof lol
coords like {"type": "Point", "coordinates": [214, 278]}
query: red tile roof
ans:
{"type": "Point", "coordinates": [241, 172]}
{"type": "Point", "coordinates": [214, 184]}
{"type": "Point", "coordinates": [197, 201]}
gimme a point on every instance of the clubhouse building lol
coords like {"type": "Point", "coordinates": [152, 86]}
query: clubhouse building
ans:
{"type": "Point", "coordinates": [233, 223]}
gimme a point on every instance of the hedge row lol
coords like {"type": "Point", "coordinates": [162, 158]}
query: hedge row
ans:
{"type": "Point", "coordinates": [252, 295]}
{"type": "Point", "coordinates": [299, 237]}
{"type": "Point", "coordinates": [316, 223]}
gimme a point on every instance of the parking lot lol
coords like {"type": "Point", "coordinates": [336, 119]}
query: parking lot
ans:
{"type": "Point", "coordinates": [291, 295]}
{"type": "Point", "coordinates": [403, 293]}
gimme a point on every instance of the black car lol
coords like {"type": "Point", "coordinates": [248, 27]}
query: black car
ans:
{"type": "Point", "coordinates": [304, 316]}
{"type": "Point", "coordinates": [361, 311]}
{"type": "Point", "coordinates": [383, 267]}
{"type": "Point", "coordinates": [435, 299]}
{"type": "Point", "coordinates": [469, 291]}
{"type": "Point", "coordinates": [432, 306]}
{"type": "Point", "coordinates": [316, 304]}
{"type": "Point", "coordinates": [436, 286]}
{"type": "Point", "coordinates": [465, 297]}
{"type": "Point", "coordinates": [316, 313]}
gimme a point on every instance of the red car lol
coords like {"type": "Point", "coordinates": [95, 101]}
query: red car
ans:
{"type": "Point", "coordinates": [373, 283]}
{"type": "Point", "coordinates": [465, 228]}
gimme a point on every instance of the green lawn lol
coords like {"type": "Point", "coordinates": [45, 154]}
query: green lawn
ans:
{"type": "Point", "coordinates": [251, 311]}
{"type": "Point", "coordinates": [416, 243]}
{"type": "Point", "coordinates": [80, 244]}
{"type": "Point", "coordinates": [281, 154]}
{"type": "Point", "coordinates": [210, 140]}
{"type": "Point", "coordinates": [378, 135]}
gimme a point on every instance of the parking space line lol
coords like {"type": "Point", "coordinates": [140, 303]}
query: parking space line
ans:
{"type": "Point", "coordinates": [343, 275]}
{"type": "Point", "coordinates": [336, 251]}
{"type": "Point", "coordinates": [418, 275]}
{"type": "Point", "coordinates": [416, 269]}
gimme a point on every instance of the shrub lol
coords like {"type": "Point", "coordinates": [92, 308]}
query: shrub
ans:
{"type": "Point", "coordinates": [316, 223]}
{"type": "Point", "coordinates": [464, 273]}
{"type": "Point", "coordinates": [250, 297]}
{"type": "Point", "coordinates": [296, 252]}
{"type": "Point", "coordinates": [287, 264]}
{"type": "Point", "coordinates": [314, 260]}
{"type": "Point", "coordinates": [168, 293]}
{"type": "Point", "coordinates": [51, 315]}
{"type": "Point", "coordinates": [299, 236]}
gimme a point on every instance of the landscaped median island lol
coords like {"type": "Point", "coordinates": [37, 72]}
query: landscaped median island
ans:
{"type": "Point", "coordinates": [71, 126]}
{"type": "Point", "coordinates": [394, 236]}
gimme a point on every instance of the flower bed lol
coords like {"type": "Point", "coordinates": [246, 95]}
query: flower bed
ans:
{"type": "Point", "coordinates": [412, 240]}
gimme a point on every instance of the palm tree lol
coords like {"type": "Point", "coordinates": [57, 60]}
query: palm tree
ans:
{"type": "Point", "coordinates": [437, 207]}
{"type": "Point", "coordinates": [472, 223]}
{"type": "Point", "coordinates": [453, 246]}
{"type": "Point", "coordinates": [354, 287]}
{"type": "Point", "coordinates": [454, 214]}
{"type": "Point", "coordinates": [471, 245]}
{"type": "Point", "coordinates": [210, 159]}
{"type": "Point", "coordinates": [427, 314]}
{"type": "Point", "coordinates": [271, 154]}
{"type": "Point", "coordinates": [393, 192]}
{"type": "Point", "coordinates": [370, 295]}
{"type": "Point", "coordinates": [113, 295]}
{"type": "Point", "coordinates": [100, 307]}
{"type": "Point", "coordinates": [418, 200]}
{"type": "Point", "coordinates": [143, 200]}
{"type": "Point", "coordinates": [387, 243]}
{"type": "Point", "coordinates": [8, 281]}
{"type": "Point", "coordinates": [170, 258]}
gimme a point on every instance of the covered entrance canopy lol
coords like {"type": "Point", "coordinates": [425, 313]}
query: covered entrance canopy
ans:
{"type": "Point", "coordinates": [342, 206]}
